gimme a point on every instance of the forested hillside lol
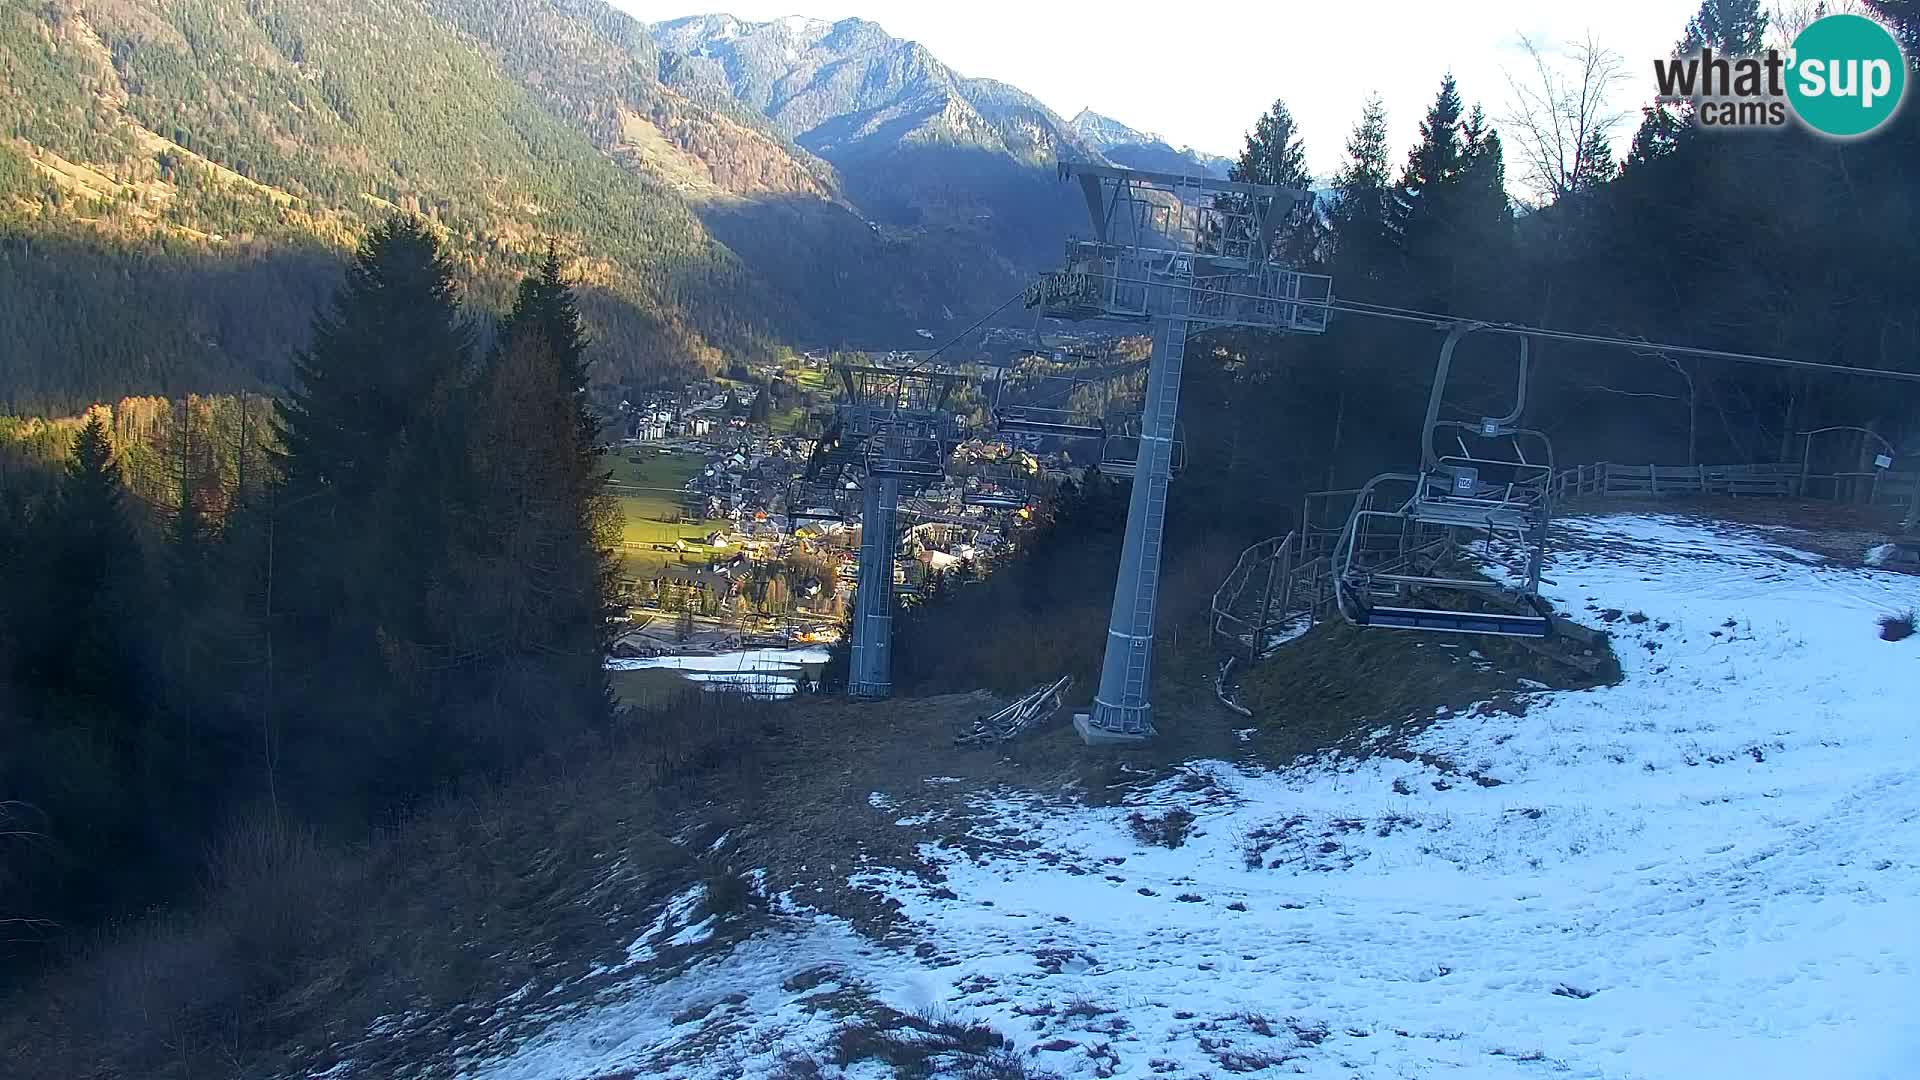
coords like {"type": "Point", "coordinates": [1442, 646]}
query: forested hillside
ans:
{"type": "Point", "coordinates": [218, 157]}
{"type": "Point", "coordinates": [220, 125]}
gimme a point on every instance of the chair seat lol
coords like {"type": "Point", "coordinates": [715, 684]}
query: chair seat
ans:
{"type": "Point", "coordinates": [1029, 425]}
{"type": "Point", "coordinates": [1471, 514]}
{"type": "Point", "coordinates": [1458, 622]}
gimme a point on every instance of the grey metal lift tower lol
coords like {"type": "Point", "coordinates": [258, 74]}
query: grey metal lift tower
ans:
{"type": "Point", "coordinates": [893, 434]}
{"type": "Point", "coordinates": [1181, 253]}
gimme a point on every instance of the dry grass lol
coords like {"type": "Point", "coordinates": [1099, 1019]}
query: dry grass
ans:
{"type": "Point", "coordinates": [921, 1045]}
{"type": "Point", "coordinates": [1896, 627]}
{"type": "Point", "coordinates": [297, 946]}
{"type": "Point", "coordinates": [1168, 830]}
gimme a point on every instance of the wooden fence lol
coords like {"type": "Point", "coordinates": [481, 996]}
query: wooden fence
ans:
{"type": "Point", "coordinates": [1654, 481]}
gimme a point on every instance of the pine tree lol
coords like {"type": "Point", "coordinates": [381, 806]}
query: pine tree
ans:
{"type": "Point", "coordinates": [76, 685]}
{"type": "Point", "coordinates": [1483, 176]}
{"type": "Point", "coordinates": [1362, 210]}
{"type": "Point", "coordinates": [547, 301]}
{"type": "Point", "coordinates": [1437, 158]}
{"type": "Point", "coordinates": [1664, 125]}
{"type": "Point", "coordinates": [1596, 163]}
{"type": "Point", "coordinates": [1274, 155]}
{"type": "Point", "coordinates": [523, 614]}
{"type": "Point", "coordinates": [1427, 201]}
{"type": "Point", "coordinates": [1728, 27]}
{"type": "Point", "coordinates": [371, 462]}
{"type": "Point", "coordinates": [87, 658]}
{"type": "Point", "coordinates": [1903, 18]}
{"type": "Point", "coordinates": [390, 338]}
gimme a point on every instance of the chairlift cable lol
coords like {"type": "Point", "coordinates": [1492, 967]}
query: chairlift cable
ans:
{"type": "Point", "coordinates": [1385, 311]}
{"type": "Point", "coordinates": [1637, 344]}
{"type": "Point", "coordinates": [961, 336]}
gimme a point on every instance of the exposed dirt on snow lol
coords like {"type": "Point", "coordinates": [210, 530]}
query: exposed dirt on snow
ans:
{"type": "Point", "coordinates": [1841, 533]}
{"type": "Point", "coordinates": [1414, 861]}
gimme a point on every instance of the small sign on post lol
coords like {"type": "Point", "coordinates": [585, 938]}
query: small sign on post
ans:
{"type": "Point", "coordinates": [1882, 461]}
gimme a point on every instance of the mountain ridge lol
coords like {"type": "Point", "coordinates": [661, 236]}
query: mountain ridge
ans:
{"type": "Point", "coordinates": [1129, 146]}
{"type": "Point", "coordinates": [719, 187]}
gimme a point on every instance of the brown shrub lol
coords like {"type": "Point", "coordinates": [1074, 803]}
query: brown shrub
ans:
{"type": "Point", "coordinates": [295, 945]}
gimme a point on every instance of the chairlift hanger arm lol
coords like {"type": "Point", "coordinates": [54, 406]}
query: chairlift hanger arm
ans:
{"type": "Point", "coordinates": [1876, 436]}
{"type": "Point", "coordinates": [1091, 175]}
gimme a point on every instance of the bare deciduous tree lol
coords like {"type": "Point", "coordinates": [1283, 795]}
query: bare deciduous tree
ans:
{"type": "Point", "coordinates": [1561, 118]}
{"type": "Point", "coordinates": [1787, 18]}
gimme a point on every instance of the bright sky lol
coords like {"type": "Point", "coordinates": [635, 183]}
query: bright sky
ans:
{"type": "Point", "coordinates": [1201, 74]}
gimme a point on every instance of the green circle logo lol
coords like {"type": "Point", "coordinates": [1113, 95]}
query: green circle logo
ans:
{"type": "Point", "coordinates": [1848, 75]}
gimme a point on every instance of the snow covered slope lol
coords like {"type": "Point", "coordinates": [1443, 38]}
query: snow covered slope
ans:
{"type": "Point", "coordinates": [1709, 870]}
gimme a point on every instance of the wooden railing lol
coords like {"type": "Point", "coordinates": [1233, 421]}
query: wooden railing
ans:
{"type": "Point", "coordinates": [1607, 479]}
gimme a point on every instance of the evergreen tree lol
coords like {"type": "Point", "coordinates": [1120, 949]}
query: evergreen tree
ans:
{"type": "Point", "coordinates": [76, 686]}
{"type": "Point", "coordinates": [1663, 126]}
{"type": "Point", "coordinates": [523, 614]}
{"type": "Point", "coordinates": [1427, 200]}
{"type": "Point", "coordinates": [547, 301]}
{"type": "Point", "coordinates": [1275, 155]}
{"type": "Point", "coordinates": [371, 464]}
{"type": "Point", "coordinates": [88, 658]}
{"type": "Point", "coordinates": [391, 336]}
{"type": "Point", "coordinates": [1361, 213]}
{"type": "Point", "coordinates": [1903, 18]}
{"type": "Point", "coordinates": [1597, 166]}
{"type": "Point", "coordinates": [1437, 158]}
{"type": "Point", "coordinates": [1728, 27]}
{"type": "Point", "coordinates": [1483, 178]}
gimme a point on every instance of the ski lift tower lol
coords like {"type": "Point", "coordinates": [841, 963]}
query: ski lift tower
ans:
{"type": "Point", "coordinates": [1179, 253]}
{"type": "Point", "coordinates": [894, 434]}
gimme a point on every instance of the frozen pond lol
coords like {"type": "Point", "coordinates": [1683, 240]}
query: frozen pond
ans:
{"type": "Point", "coordinates": [765, 673]}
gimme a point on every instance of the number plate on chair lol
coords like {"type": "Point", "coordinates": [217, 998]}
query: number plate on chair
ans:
{"type": "Point", "coordinates": [1466, 481]}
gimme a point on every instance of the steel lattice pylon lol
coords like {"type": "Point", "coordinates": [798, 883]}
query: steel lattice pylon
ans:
{"type": "Point", "coordinates": [891, 434]}
{"type": "Point", "coordinates": [1181, 253]}
{"type": "Point", "coordinates": [870, 661]}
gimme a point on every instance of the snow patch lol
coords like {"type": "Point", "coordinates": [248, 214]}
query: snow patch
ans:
{"type": "Point", "coordinates": [1711, 869]}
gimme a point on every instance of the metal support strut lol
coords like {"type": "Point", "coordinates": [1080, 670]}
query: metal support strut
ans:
{"type": "Point", "coordinates": [870, 673]}
{"type": "Point", "coordinates": [1121, 711]}
{"type": "Point", "coordinates": [1185, 254]}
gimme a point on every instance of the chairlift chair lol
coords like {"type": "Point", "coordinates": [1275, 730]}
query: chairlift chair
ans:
{"type": "Point", "coordinates": [818, 500]}
{"type": "Point", "coordinates": [1001, 485]}
{"type": "Point", "coordinates": [1035, 391]}
{"type": "Point", "coordinates": [1491, 485]}
{"type": "Point", "coordinates": [1120, 452]}
{"type": "Point", "coordinates": [915, 458]}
